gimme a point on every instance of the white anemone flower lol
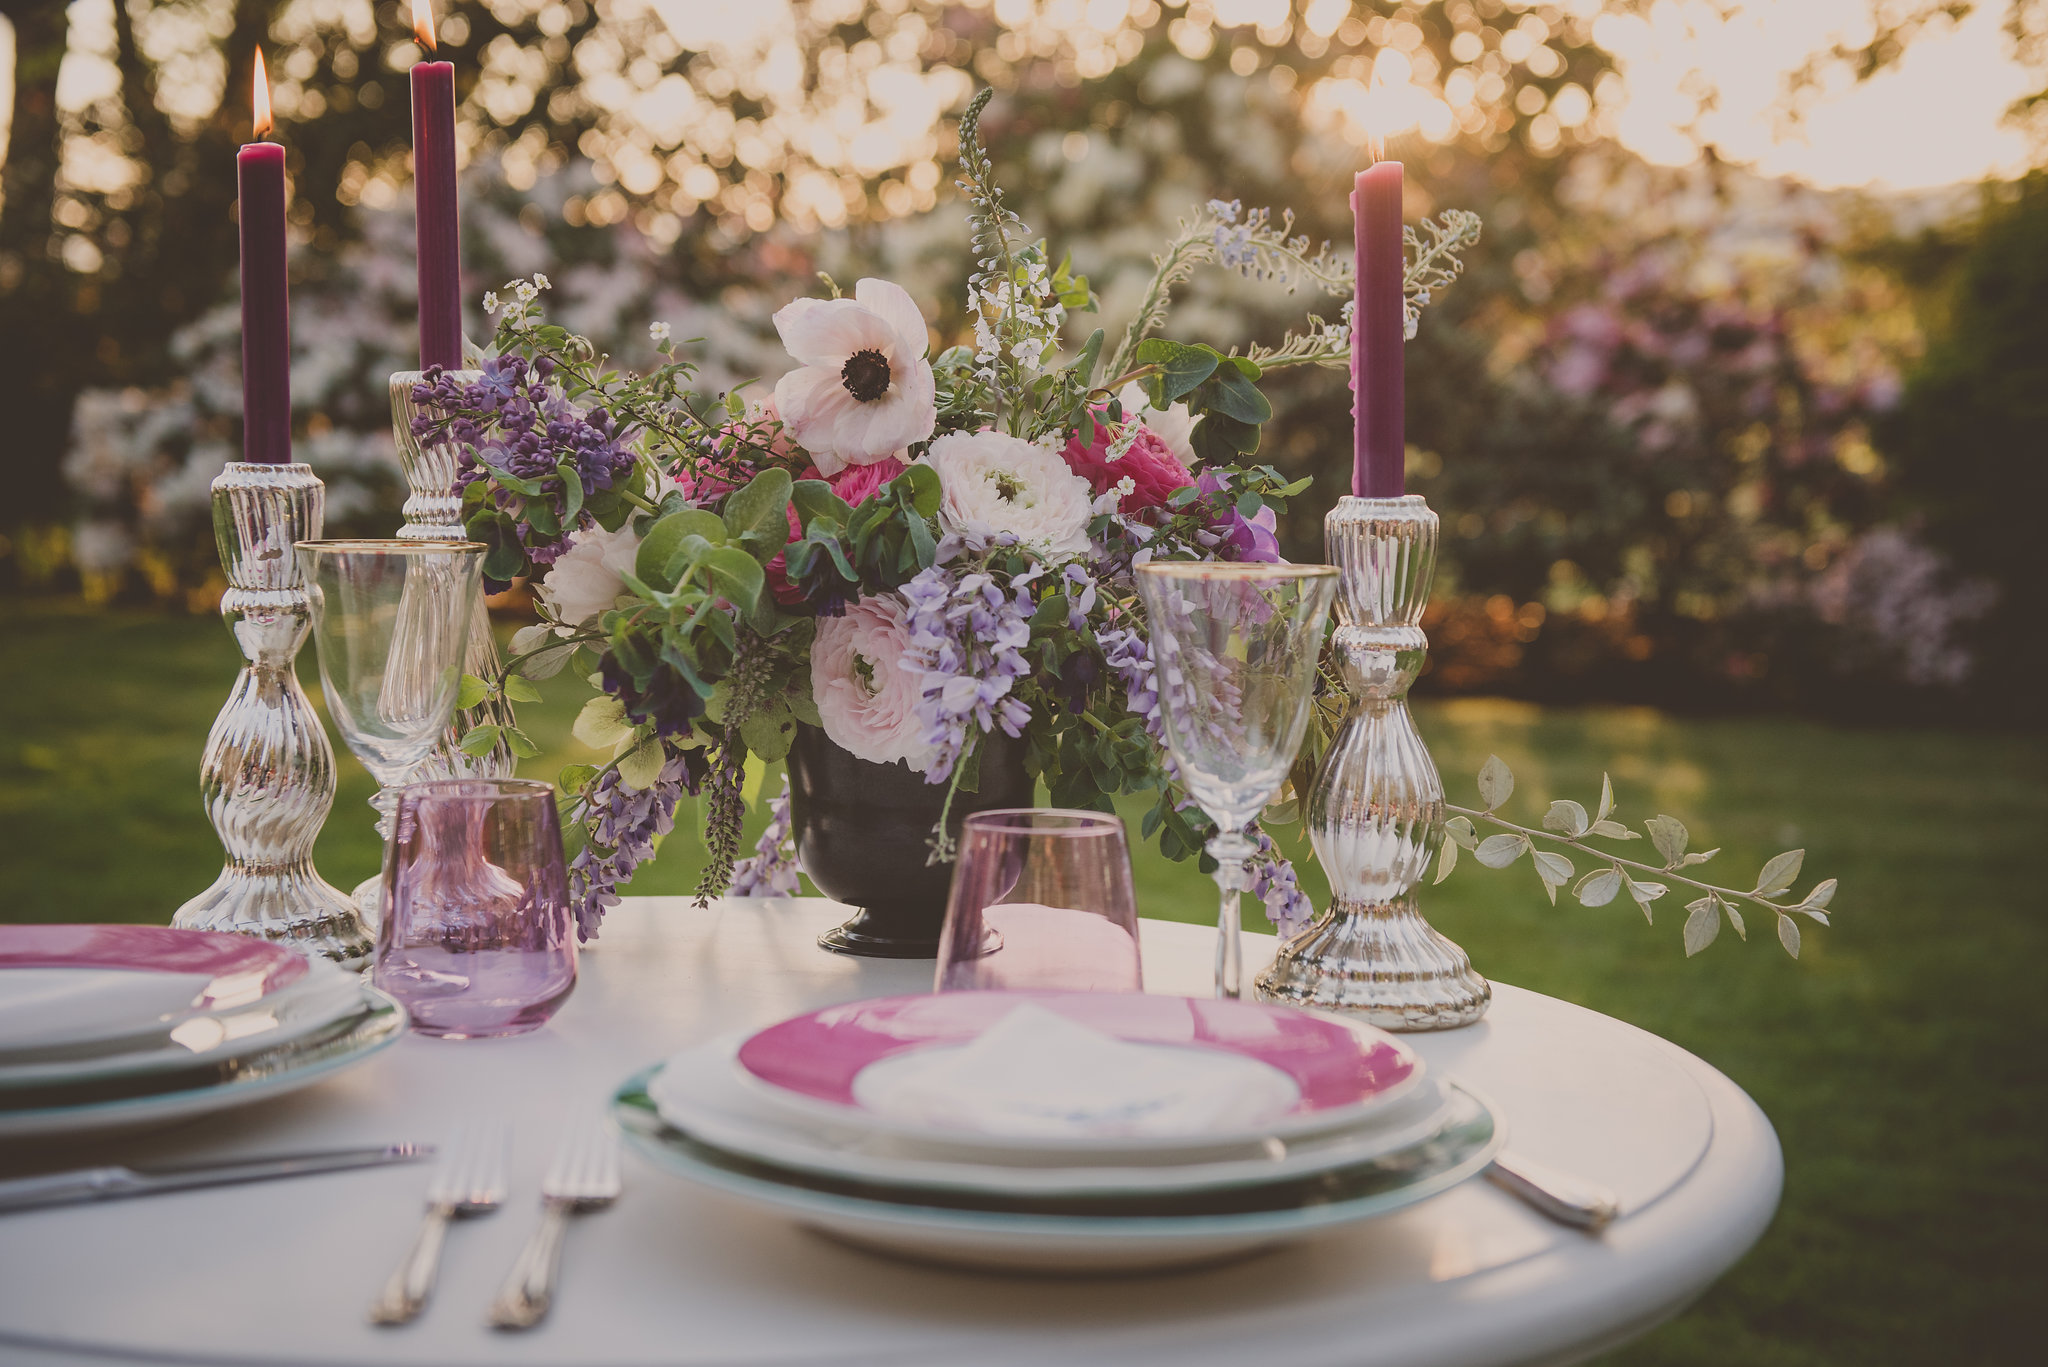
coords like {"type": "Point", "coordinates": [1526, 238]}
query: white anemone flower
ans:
{"type": "Point", "coordinates": [992, 485]}
{"type": "Point", "coordinates": [863, 390]}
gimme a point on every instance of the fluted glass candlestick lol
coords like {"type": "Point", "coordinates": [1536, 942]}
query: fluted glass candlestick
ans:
{"type": "Point", "coordinates": [268, 772]}
{"type": "Point", "coordinates": [1376, 810]}
{"type": "Point", "coordinates": [433, 512]}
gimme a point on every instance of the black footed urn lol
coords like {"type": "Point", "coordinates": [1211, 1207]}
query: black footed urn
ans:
{"type": "Point", "coordinates": [863, 833]}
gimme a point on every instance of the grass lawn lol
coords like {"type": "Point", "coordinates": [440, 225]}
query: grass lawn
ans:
{"type": "Point", "coordinates": [1901, 1059]}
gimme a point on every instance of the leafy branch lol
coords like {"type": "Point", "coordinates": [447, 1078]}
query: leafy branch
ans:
{"type": "Point", "coordinates": [1568, 823]}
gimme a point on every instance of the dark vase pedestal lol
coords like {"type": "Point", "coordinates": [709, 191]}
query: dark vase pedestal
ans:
{"type": "Point", "coordinates": [863, 832]}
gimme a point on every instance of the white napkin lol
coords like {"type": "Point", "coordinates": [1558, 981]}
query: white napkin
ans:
{"type": "Point", "coordinates": [1037, 1074]}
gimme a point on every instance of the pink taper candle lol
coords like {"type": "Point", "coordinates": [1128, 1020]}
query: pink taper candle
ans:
{"type": "Point", "coordinates": [266, 320]}
{"type": "Point", "coordinates": [433, 178]}
{"type": "Point", "coordinates": [1377, 334]}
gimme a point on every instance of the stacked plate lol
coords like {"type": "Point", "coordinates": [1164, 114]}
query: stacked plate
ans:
{"type": "Point", "coordinates": [1062, 1131]}
{"type": "Point", "coordinates": [104, 1027]}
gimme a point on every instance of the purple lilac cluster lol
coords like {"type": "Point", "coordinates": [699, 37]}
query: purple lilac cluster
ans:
{"type": "Point", "coordinates": [967, 638]}
{"type": "Point", "coordinates": [511, 421]}
{"type": "Point", "coordinates": [1274, 883]}
{"type": "Point", "coordinates": [623, 824]}
{"type": "Point", "coordinates": [771, 870]}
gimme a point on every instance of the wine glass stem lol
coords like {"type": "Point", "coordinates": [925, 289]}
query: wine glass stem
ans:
{"type": "Point", "coordinates": [1230, 850]}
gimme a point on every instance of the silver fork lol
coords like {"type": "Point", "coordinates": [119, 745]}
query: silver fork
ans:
{"type": "Point", "coordinates": [469, 1181]}
{"type": "Point", "coordinates": [583, 1175]}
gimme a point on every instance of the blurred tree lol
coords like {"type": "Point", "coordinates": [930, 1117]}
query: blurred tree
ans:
{"type": "Point", "coordinates": [1971, 434]}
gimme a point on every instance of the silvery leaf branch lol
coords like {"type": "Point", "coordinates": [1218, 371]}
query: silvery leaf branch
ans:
{"type": "Point", "coordinates": [1569, 824]}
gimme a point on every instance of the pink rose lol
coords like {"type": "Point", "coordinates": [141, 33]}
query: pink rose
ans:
{"type": "Point", "coordinates": [1149, 464]}
{"type": "Point", "coordinates": [859, 483]}
{"type": "Point", "coordinates": [866, 696]}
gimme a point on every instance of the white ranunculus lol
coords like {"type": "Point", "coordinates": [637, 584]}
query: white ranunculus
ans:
{"type": "Point", "coordinates": [863, 390]}
{"type": "Point", "coordinates": [1173, 425]}
{"type": "Point", "coordinates": [991, 484]}
{"type": "Point", "coordinates": [866, 696]}
{"type": "Point", "coordinates": [586, 580]}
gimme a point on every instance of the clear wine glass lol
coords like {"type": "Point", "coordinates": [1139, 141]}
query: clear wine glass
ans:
{"type": "Point", "coordinates": [391, 622]}
{"type": "Point", "coordinates": [1041, 900]}
{"type": "Point", "coordinates": [1236, 647]}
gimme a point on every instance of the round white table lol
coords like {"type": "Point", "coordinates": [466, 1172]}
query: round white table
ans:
{"type": "Point", "coordinates": [283, 1272]}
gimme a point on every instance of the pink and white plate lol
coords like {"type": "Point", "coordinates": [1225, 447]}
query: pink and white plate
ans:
{"type": "Point", "coordinates": [98, 1013]}
{"type": "Point", "coordinates": [1079, 1072]}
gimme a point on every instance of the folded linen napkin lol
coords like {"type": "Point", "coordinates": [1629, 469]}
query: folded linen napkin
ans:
{"type": "Point", "coordinates": [1036, 1074]}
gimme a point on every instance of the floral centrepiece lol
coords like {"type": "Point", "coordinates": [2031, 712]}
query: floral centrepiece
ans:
{"type": "Point", "coordinates": [913, 551]}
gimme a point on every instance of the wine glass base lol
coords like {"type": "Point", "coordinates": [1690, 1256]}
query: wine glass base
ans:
{"type": "Point", "coordinates": [1381, 961]}
{"type": "Point", "coordinates": [290, 904]}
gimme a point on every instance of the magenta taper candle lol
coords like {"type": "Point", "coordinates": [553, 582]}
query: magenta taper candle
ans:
{"type": "Point", "coordinates": [1377, 334]}
{"type": "Point", "coordinates": [266, 319]}
{"type": "Point", "coordinates": [433, 178]}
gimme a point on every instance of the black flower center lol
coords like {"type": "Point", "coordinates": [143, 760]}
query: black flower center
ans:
{"type": "Point", "coordinates": [866, 375]}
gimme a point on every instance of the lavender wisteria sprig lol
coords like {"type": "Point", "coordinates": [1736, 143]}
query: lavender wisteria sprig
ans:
{"type": "Point", "coordinates": [621, 825]}
{"type": "Point", "coordinates": [1568, 823]}
{"type": "Point", "coordinates": [771, 870]}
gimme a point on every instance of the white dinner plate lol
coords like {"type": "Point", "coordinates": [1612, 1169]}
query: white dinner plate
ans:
{"type": "Point", "coordinates": [697, 1093]}
{"type": "Point", "coordinates": [134, 1100]}
{"type": "Point", "coordinates": [1148, 1232]}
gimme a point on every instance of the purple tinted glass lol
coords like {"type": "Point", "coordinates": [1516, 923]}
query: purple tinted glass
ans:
{"type": "Point", "coordinates": [477, 938]}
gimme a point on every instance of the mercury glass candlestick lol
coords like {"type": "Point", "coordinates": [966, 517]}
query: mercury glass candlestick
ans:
{"type": "Point", "coordinates": [433, 512]}
{"type": "Point", "coordinates": [268, 772]}
{"type": "Point", "coordinates": [1376, 810]}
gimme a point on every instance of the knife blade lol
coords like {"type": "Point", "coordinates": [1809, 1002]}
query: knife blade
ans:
{"type": "Point", "coordinates": [108, 1183]}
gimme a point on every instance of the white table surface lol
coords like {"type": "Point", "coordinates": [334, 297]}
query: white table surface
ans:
{"type": "Point", "coordinates": [283, 1272]}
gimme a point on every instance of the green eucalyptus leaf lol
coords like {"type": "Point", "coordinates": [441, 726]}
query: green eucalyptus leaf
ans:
{"type": "Point", "coordinates": [1612, 830]}
{"type": "Point", "coordinates": [1446, 860]}
{"type": "Point", "coordinates": [1606, 800]}
{"type": "Point", "coordinates": [1822, 894]}
{"type": "Point", "coordinates": [1669, 835]}
{"type": "Point", "coordinates": [1735, 919]}
{"type": "Point", "coordinates": [757, 515]}
{"type": "Point", "coordinates": [1499, 851]}
{"type": "Point", "coordinates": [1598, 888]}
{"type": "Point", "coordinates": [814, 499]}
{"type": "Point", "coordinates": [1779, 875]}
{"type": "Point", "coordinates": [1788, 934]}
{"type": "Point", "coordinates": [1460, 829]}
{"type": "Point", "coordinates": [1702, 924]}
{"type": "Point", "coordinates": [1182, 368]}
{"type": "Point", "coordinates": [1231, 392]}
{"type": "Point", "coordinates": [545, 664]}
{"type": "Point", "coordinates": [505, 557]}
{"type": "Point", "coordinates": [666, 535]}
{"type": "Point", "coordinates": [1496, 782]}
{"type": "Point", "coordinates": [1567, 817]}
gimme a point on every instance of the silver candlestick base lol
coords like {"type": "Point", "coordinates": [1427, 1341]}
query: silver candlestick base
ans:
{"type": "Point", "coordinates": [433, 512]}
{"type": "Point", "coordinates": [1376, 812]}
{"type": "Point", "coordinates": [268, 772]}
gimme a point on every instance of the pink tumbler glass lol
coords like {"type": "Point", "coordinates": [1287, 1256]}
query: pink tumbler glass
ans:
{"type": "Point", "coordinates": [1041, 898]}
{"type": "Point", "coordinates": [477, 939]}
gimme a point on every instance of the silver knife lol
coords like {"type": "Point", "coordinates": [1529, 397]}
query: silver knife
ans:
{"type": "Point", "coordinates": [107, 1183]}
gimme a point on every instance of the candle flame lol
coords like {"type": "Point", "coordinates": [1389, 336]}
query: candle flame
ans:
{"type": "Point", "coordinates": [423, 22]}
{"type": "Point", "coordinates": [260, 97]}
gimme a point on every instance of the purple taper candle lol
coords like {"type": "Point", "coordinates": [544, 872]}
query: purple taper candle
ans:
{"type": "Point", "coordinates": [266, 319]}
{"type": "Point", "coordinates": [433, 179]}
{"type": "Point", "coordinates": [1377, 334]}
